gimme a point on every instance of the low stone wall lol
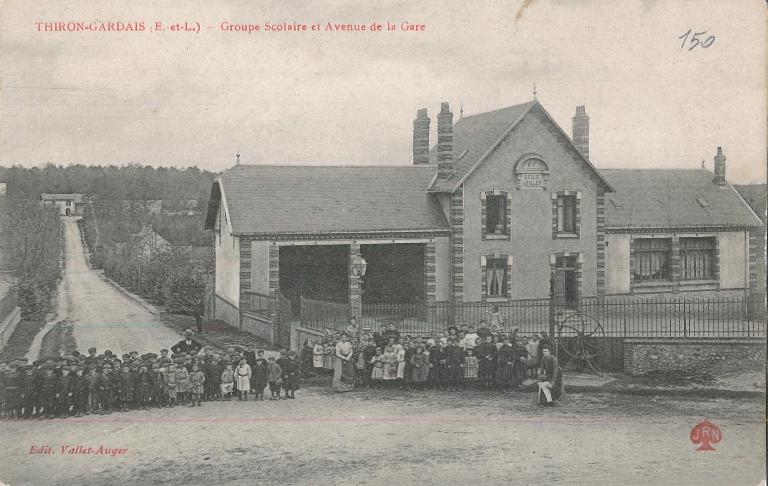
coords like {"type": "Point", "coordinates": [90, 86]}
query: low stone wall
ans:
{"type": "Point", "coordinates": [299, 334]}
{"type": "Point", "coordinates": [226, 312]}
{"type": "Point", "coordinates": [8, 325]}
{"type": "Point", "coordinates": [712, 356]}
{"type": "Point", "coordinates": [260, 326]}
{"type": "Point", "coordinates": [687, 292]}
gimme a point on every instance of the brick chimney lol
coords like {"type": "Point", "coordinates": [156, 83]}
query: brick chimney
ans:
{"type": "Point", "coordinates": [444, 142]}
{"type": "Point", "coordinates": [719, 167]}
{"type": "Point", "coordinates": [421, 138]}
{"type": "Point", "coordinates": [581, 131]}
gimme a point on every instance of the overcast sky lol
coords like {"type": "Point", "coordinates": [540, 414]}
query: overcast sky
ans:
{"type": "Point", "coordinates": [170, 98]}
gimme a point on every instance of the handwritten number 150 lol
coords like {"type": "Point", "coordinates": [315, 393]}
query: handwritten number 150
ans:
{"type": "Point", "coordinates": [695, 41]}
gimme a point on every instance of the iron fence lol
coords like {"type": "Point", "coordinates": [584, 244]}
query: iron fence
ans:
{"type": "Point", "coordinates": [737, 316]}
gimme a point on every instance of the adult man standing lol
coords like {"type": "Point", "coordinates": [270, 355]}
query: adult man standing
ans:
{"type": "Point", "coordinates": [187, 345]}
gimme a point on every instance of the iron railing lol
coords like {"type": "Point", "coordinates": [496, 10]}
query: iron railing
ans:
{"type": "Point", "coordinates": [618, 317]}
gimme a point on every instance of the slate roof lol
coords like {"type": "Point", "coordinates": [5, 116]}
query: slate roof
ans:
{"type": "Point", "coordinates": [328, 199]}
{"type": "Point", "coordinates": [756, 195]}
{"type": "Point", "coordinates": [475, 135]}
{"type": "Point", "coordinates": [662, 198]}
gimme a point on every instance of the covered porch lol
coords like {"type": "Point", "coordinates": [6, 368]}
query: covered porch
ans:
{"type": "Point", "coordinates": [333, 281]}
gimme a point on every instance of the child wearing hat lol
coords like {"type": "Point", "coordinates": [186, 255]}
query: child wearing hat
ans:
{"type": "Point", "coordinates": [124, 388]}
{"type": "Point", "coordinates": [196, 381]}
{"type": "Point", "coordinates": [63, 393]}
{"type": "Point", "coordinates": [213, 371]}
{"type": "Point", "coordinates": [274, 377]}
{"type": "Point", "coordinates": [145, 387]}
{"type": "Point", "coordinates": [243, 374]}
{"type": "Point", "coordinates": [104, 385]}
{"type": "Point", "coordinates": [28, 388]}
{"type": "Point", "coordinates": [227, 382]}
{"type": "Point", "coordinates": [259, 375]}
{"type": "Point", "coordinates": [91, 383]}
{"type": "Point", "coordinates": [182, 381]}
{"type": "Point", "coordinates": [79, 391]}
{"type": "Point", "coordinates": [169, 378]}
{"type": "Point", "coordinates": [48, 391]}
{"type": "Point", "coordinates": [290, 369]}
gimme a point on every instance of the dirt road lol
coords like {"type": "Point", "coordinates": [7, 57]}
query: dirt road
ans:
{"type": "Point", "coordinates": [101, 315]}
{"type": "Point", "coordinates": [393, 437]}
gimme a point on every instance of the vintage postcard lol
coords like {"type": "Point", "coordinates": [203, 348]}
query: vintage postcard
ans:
{"type": "Point", "coordinates": [342, 242]}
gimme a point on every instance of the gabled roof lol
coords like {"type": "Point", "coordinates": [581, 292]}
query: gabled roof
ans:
{"type": "Point", "coordinates": [266, 200]}
{"type": "Point", "coordinates": [664, 198]}
{"type": "Point", "coordinates": [756, 195]}
{"type": "Point", "coordinates": [476, 136]}
{"type": "Point", "coordinates": [77, 198]}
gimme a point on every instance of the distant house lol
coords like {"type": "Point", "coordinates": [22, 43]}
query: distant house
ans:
{"type": "Point", "coordinates": [147, 243]}
{"type": "Point", "coordinates": [67, 204]}
{"type": "Point", "coordinates": [180, 207]}
{"type": "Point", "coordinates": [153, 207]}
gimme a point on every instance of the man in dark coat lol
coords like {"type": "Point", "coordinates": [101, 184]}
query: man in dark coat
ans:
{"type": "Point", "coordinates": [438, 359]}
{"type": "Point", "coordinates": [187, 345]}
{"type": "Point", "coordinates": [550, 378]}
{"type": "Point", "coordinates": [455, 360]}
{"type": "Point", "coordinates": [486, 355]}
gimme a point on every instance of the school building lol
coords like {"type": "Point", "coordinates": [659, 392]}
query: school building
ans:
{"type": "Point", "coordinates": [505, 206]}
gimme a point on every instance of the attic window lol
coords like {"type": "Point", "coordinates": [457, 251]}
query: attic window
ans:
{"type": "Point", "coordinates": [616, 204]}
{"type": "Point", "coordinates": [703, 203]}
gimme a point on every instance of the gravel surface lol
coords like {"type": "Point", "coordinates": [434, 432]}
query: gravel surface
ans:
{"type": "Point", "coordinates": [398, 437]}
{"type": "Point", "coordinates": [99, 314]}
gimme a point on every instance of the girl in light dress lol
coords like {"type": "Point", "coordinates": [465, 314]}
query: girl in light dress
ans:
{"type": "Point", "coordinates": [389, 358]}
{"type": "Point", "coordinates": [243, 376]}
{"type": "Point", "coordinates": [317, 355]}
{"type": "Point", "coordinates": [377, 374]}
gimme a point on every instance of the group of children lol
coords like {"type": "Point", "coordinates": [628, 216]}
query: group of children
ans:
{"type": "Point", "coordinates": [79, 384]}
{"type": "Point", "coordinates": [459, 357]}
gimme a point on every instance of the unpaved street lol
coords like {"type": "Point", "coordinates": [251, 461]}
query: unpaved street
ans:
{"type": "Point", "coordinates": [394, 437]}
{"type": "Point", "coordinates": [101, 315]}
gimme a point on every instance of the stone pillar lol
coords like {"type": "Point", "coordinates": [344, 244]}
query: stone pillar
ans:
{"type": "Point", "coordinates": [430, 272]}
{"type": "Point", "coordinates": [274, 270]}
{"type": "Point", "coordinates": [600, 246]}
{"type": "Point", "coordinates": [676, 265]}
{"type": "Point", "coordinates": [355, 300]}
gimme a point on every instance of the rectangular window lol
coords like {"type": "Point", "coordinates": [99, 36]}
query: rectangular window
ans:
{"type": "Point", "coordinates": [495, 215]}
{"type": "Point", "coordinates": [697, 258]}
{"type": "Point", "coordinates": [653, 257]}
{"type": "Point", "coordinates": [496, 277]}
{"type": "Point", "coordinates": [566, 214]}
{"type": "Point", "coordinates": [566, 284]}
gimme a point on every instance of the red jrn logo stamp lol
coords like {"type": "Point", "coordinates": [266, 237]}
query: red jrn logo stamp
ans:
{"type": "Point", "coordinates": [706, 433]}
